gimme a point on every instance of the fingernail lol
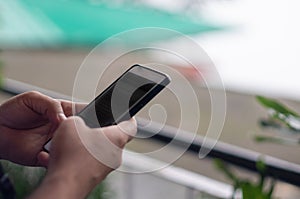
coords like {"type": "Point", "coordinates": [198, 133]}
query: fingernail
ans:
{"type": "Point", "coordinates": [128, 127]}
{"type": "Point", "coordinates": [61, 116]}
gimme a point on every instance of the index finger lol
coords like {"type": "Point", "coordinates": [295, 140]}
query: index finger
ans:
{"type": "Point", "coordinates": [69, 105]}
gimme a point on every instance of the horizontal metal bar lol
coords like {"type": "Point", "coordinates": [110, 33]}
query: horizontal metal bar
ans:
{"type": "Point", "coordinates": [139, 163]}
{"type": "Point", "coordinates": [277, 168]}
{"type": "Point", "coordinates": [244, 158]}
{"type": "Point", "coordinates": [15, 87]}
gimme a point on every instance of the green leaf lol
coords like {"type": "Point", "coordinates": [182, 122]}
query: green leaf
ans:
{"type": "Point", "coordinates": [249, 190]}
{"type": "Point", "coordinates": [276, 106]}
{"type": "Point", "coordinates": [273, 182]}
{"type": "Point", "coordinates": [277, 140]}
{"type": "Point", "coordinates": [261, 166]}
{"type": "Point", "coordinates": [252, 191]}
{"type": "Point", "coordinates": [263, 138]}
{"type": "Point", "coordinates": [225, 169]}
{"type": "Point", "coordinates": [24, 179]}
{"type": "Point", "coordinates": [99, 192]}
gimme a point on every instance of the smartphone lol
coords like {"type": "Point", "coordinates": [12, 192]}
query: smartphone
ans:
{"type": "Point", "coordinates": [126, 96]}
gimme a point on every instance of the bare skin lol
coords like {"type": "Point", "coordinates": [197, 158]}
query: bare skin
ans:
{"type": "Point", "coordinates": [29, 120]}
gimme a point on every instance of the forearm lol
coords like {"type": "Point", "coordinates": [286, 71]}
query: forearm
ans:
{"type": "Point", "coordinates": [61, 187]}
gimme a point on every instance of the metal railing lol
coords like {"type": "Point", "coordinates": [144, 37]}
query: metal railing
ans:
{"type": "Point", "coordinates": [192, 182]}
{"type": "Point", "coordinates": [277, 168]}
{"type": "Point", "coordinates": [244, 158]}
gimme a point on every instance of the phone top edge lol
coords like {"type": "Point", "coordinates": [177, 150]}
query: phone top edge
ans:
{"type": "Point", "coordinates": [151, 74]}
{"type": "Point", "coordinates": [166, 81]}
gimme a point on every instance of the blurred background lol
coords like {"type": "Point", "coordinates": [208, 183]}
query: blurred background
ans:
{"type": "Point", "coordinates": [252, 44]}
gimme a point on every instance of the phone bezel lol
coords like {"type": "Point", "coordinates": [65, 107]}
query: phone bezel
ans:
{"type": "Point", "coordinates": [150, 74]}
{"type": "Point", "coordinates": [160, 79]}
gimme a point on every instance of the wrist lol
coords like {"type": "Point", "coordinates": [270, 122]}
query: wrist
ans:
{"type": "Point", "coordinates": [73, 185]}
{"type": "Point", "coordinates": [62, 185]}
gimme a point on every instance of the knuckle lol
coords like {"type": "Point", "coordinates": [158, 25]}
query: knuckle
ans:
{"type": "Point", "coordinates": [122, 139]}
{"type": "Point", "coordinates": [67, 109]}
{"type": "Point", "coordinates": [56, 103]}
{"type": "Point", "coordinates": [32, 93]}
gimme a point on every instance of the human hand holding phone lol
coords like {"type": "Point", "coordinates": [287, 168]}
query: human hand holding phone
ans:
{"type": "Point", "coordinates": [72, 170]}
{"type": "Point", "coordinates": [27, 121]}
{"type": "Point", "coordinates": [123, 98]}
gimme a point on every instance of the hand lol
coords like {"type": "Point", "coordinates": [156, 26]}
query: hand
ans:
{"type": "Point", "coordinates": [27, 122]}
{"type": "Point", "coordinates": [73, 171]}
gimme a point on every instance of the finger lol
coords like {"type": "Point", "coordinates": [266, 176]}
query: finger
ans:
{"type": "Point", "coordinates": [68, 107]}
{"type": "Point", "coordinates": [122, 133]}
{"type": "Point", "coordinates": [44, 105]}
{"type": "Point", "coordinates": [43, 159]}
{"type": "Point", "coordinates": [129, 127]}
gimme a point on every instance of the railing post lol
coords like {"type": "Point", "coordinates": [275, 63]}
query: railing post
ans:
{"type": "Point", "coordinates": [129, 186]}
{"type": "Point", "coordinates": [189, 193]}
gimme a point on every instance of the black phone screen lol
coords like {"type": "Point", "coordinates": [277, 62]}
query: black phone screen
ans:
{"type": "Point", "coordinates": [119, 102]}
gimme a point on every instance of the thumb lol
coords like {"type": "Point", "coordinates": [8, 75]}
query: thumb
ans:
{"type": "Point", "coordinates": [46, 106]}
{"type": "Point", "coordinates": [43, 159]}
